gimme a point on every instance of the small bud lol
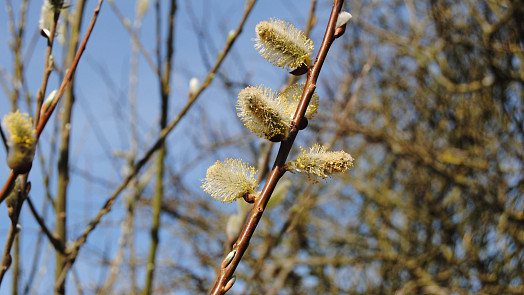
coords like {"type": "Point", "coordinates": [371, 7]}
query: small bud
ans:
{"type": "Point", "coordinates": [318, 161]}
{"type": "Point", "coordinates": [343, 18]}
{"type": "Point", "coordinates": [21, 141]}
{"type": "Point", "coordinates": [250, 198]}
{"type": "Point", "coordinates": [264, 113]}
{"type": "Point", "coordinates": [230, 283]}
{"type": "Point", "coordinates": [301, 70]}
{"type": "Point", "coordinates": [46, 19]}
{"type": "Point", "coordinates": [231, 35]}
{"type": "Point", "coordinates": [8, 261]}
{"type": "Point", "coordinates": [282, 44]}
{"type": "Point", "coordinates": [229, 180]}
{"type": "Point", "coordinates": [12, 197]}
{"type": "Point", "coordinates": [51, 61]}
{"type": "Point", "coordinates": [141, 8]}
{"type": "Point", "coordinates": [292, 96]}
{"type": "Point", "coordinates": [228, 259]}
{"type": "Point", "coordinates": [194, 84]}
{"type": "Point", "coordinates": [48, 101]}
{"type": "Point", "coordinates": [11, 201]}
{"type": "Point", "coordinates": [303, 124]}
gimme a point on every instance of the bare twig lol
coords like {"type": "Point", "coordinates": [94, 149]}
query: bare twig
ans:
{"type": "Point", "coordinates": [164, 78]}
{"type": "Point", "coordinates": [13, 229]}
{"type": "Point", "coordinates": [4, 139]}
{"type": "Point", "coordinates": [57, 243]}
{"type": "Point", "coordinates": [239, 248]}
{"type": "Point", "coordinates": [65, 137]}
{"type": "Point", "coordinates": [134, 34]}
{"type": "Point", "coordinates": [36, 256]}
{"type": "Point", "coordinates": [75, 248]}
{"type": "Point", "coordinates": [46, 114]}
{"type": "Point", "coordinates": [40, 124]}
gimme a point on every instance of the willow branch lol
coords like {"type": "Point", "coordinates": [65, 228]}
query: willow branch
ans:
{"type": "Point", "coordinates": [228, 267]}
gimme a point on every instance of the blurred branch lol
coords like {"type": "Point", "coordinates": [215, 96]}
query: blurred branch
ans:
{"type": "Point", "coordinates": [65, 138]}
{"type": "Point", "coordinates": [136, 40]}
{"type": "Point", "coordinates": [41, 122]}
{"type": "Point", "coordinates": [77, 244]}
{"type": "Point", "coordinates": [55, 241]}
{"type": "Point", "coordinates": [164, 80]}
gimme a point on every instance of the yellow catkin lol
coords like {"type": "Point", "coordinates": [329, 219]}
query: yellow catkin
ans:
{"type": "Point", "coordinates": [282, 44]}
{"type": "Point", "coordinates": [291, 96]}
{"type": "Point", "coordinates": [263, 112]}
{"type": "Point", "coordinates": [320, 162]}
{"type": "Point", "coordinates": [229, 180]}
{"type": "Point", "coordinates": [21, 140]}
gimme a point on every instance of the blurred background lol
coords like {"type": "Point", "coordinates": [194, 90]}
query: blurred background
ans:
{"type": "Point", "coordinates": [427, 96]}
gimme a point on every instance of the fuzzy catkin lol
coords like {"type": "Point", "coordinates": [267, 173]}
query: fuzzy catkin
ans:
{"type": "Point", "coordinates": [282, 44]}
{"type": "Point", "coordinates": [321, 162]}
{"type": "Point", "coordinates": [21, 140]}
{"type": "Point", "coordinates": [292, 95]}
{"type": "Point", "coordinates": [263, 112]}
{"type": "Point", "coordinates": [229, 180]}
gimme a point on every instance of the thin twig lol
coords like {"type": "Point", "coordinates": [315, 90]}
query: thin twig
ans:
{"type": "Point", "coordinates": [75, 248]}
{"type": "Point", "coordinates": [164, 78]}
{"type": "Point", "coordinates": [13, 229]}
{"type": "Point", "coordinates": [4, 139]}
{"type": "Point", "coordinates": [49, 110]}
{"type": "Point", "coordinates": [57, 244]}
{"type": "Point", "coordinates": [36, 256]}
{"type": "Point", "coordinates": [134, 34]}
{"type": "Point", "coordinates": [41, 122]}
{"type": "Point", "coordinates": [65, 138]}
{"type": "Point", "coordinates": [226, 272]}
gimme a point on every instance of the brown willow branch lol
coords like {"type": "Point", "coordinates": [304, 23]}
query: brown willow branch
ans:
{"type": "Point", "coordinates": [239, 248]}
{"type": "Point", "coordinates": [303, 203]}
{"type": "Point", "coordinates": [74, 250]}
{"type": "Point", "coordinates": [45, 114]}
{"type": "Point", "coordinates": [264, 163]}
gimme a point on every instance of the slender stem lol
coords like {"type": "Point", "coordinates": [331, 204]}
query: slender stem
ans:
{"type": "Point", "coordinates": [13, 230]}
{"type": "Point", "coordinates": [63, 160]}
{"type": "Point", "coordinates": [4, 139]}
{"type": "Point", "coordinates": [56, 242]}
{"type": "Point", "coordinates": [164, 79]}
{"type": "Point", "coordinates": [44, 117]}
{"type": "Point", "coordinates": [226, 272]}
{"type": "Point", "coordinates": [16, 266]}
{"type": "Point", "coordinates": [163, 134]}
